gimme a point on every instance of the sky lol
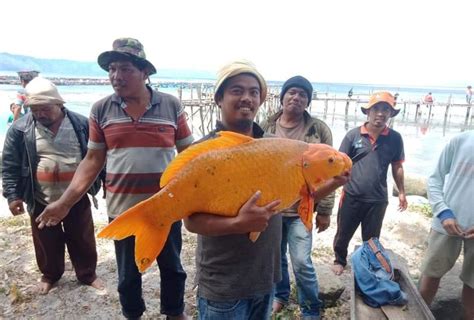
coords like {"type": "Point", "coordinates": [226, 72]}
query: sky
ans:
{"type": "Point", "coordinates": [396, 42]}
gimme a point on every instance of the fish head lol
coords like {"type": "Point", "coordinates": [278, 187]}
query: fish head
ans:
{"type": "Point", "coordinates": [321, 163]}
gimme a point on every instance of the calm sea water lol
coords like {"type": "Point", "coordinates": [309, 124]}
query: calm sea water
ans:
{"type": "Point", "coordinates": [422, 144]}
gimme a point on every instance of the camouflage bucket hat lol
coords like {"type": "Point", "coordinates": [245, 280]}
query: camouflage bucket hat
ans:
{"type": "Point", "coordinates": [128, 49]}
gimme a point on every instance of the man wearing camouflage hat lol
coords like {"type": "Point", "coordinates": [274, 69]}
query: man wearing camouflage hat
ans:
{"type": "Point", "coordinates": [136, 131]}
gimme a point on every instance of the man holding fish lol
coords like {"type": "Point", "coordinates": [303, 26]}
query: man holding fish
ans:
{"type": "Point", "coordinates": [236, 276]}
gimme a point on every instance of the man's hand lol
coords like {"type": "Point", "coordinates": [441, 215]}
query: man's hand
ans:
{"type": "Point", "coordinates": [16, 207]}
{"type": "Point", "coordinates": [331, 185]}
{"type": "Point", "coordinates": [452, 227]}
{"type": "Point", "coordinates": [322, 222]}
{"type": "Point", "coordinates": [469, 233]}
{"type": "Point", "coordinates": [402, 202]}
{"type": "Point", "coordinates": [16, 110]}
{"type": "Point", "coordinates": [53, 214]}
{"type": "Point", "coordinates": [253, 218]}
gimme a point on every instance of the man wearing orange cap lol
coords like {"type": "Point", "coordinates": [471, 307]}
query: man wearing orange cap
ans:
{"type": "Point", "coordinates": [373, 147]}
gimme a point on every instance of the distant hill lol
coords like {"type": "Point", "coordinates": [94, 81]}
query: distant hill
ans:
{"type": "Point", "coordinates": [70, 68]}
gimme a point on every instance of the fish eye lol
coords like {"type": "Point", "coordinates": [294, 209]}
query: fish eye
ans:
{"type": "Point", "coordinates": [331, 160]}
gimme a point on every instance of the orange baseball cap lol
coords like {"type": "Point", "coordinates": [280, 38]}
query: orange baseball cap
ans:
{"type": "Point", "coordinates": [378, 97]}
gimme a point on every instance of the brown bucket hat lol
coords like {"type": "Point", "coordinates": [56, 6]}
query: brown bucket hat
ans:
{"type": "Point", "coordinates": [234, 69]}
{"type": "Point", "coordinates": [128, 49]}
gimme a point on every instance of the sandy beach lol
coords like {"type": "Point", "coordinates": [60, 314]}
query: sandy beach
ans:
{"type": "Point", "coordinates": [404, 233]}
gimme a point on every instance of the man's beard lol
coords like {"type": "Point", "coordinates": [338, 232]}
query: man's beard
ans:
{"type": "Point", "coordinates": [244, 125]}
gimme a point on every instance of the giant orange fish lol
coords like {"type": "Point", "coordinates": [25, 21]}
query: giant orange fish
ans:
{"type": "Point", "coordinates": [218, 176]}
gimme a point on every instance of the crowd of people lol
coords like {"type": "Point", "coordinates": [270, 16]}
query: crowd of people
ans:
{"type": "Point", "coordinates": [53, 158]}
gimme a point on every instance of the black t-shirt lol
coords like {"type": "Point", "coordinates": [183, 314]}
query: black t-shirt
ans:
{"type": "Point", "coordinates": [369, 175]}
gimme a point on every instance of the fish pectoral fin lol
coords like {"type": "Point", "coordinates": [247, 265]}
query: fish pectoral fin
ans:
{"type": "Point", "coordinates": [253, 236]}
{"type": "Point", "coordinates": [150, 235]}
{"type": "Point", "coordinates": [224, 139]}
{"type": "Point", "coordinates": [306, 208]}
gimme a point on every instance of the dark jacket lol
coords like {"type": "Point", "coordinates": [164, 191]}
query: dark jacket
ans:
{"type": "Point", "coordinates": [316, 131]}
{"type": "Point", "coordinates": [19, 159]}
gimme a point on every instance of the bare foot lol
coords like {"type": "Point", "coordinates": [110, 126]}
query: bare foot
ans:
{"type": "Point", "coordinates": [43, 287]}
{"type": "Point", "coordinates": [98, 284]}
{"type": "Point", "coordinates": [277, 307]}
{"type": "Point", "coordinates": [337, 268]}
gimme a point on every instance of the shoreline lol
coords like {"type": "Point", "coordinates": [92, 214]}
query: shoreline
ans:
{"type": "Point", "coordinates": [104, 81]}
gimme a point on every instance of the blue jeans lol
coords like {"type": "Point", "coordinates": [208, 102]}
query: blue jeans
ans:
{"type": "Point", "coordinates": [172, 276]}
{"type": "Point", "coordinates": [299, 240]}
{"type": "Point", "coordinates": [256, 308]}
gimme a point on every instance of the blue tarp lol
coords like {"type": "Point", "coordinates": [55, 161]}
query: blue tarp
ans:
{"type": "Point", "coordinates": [375, 284]}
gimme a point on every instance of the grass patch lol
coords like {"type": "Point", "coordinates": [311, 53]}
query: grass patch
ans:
{"type": "Point", "coordinates": [424, 209]}
{"type": "Point", "coordinates": [16, 221]}
{"type": "Point", "coordinates": [322, 252]}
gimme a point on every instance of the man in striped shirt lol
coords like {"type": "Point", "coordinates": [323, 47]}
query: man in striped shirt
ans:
{"type": "Point", "coordinates": [136, 131]}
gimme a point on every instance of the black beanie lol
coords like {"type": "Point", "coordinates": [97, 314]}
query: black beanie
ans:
{"type": "Point", "coordinates": [299, 82]}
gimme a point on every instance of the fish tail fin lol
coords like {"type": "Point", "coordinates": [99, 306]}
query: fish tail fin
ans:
{"type": "Point", "coordinates": [142, 222]}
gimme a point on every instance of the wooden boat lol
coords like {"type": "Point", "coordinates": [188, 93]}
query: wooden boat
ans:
{"type": "Point", "coordinates": [416, 307]}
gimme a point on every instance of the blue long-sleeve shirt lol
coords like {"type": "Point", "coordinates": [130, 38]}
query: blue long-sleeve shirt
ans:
{"type": "Point", "coordinates": [451, 186]}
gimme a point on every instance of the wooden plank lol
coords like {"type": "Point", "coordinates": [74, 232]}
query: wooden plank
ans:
{"type": "Point", "coordinates": [366, 312]}
{"type": "Point", "coordinates": [395, 312]}
{"type": "Point", "coordinates": [416, 308]}
{"type": "Point", "coordinates": [416, 304]}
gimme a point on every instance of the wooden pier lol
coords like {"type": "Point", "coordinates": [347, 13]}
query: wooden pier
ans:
{"type": "Point", "coordinates": [202, 112]}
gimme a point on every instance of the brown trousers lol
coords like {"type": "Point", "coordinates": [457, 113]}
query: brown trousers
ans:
{"type": "Point", "coordinates": [76, 232]}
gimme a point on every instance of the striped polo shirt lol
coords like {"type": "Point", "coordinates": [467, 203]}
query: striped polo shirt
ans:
{"type": "Point", "coordinates": [137, 151]}
{"type": "Point", "coordinates": [58, 157]}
